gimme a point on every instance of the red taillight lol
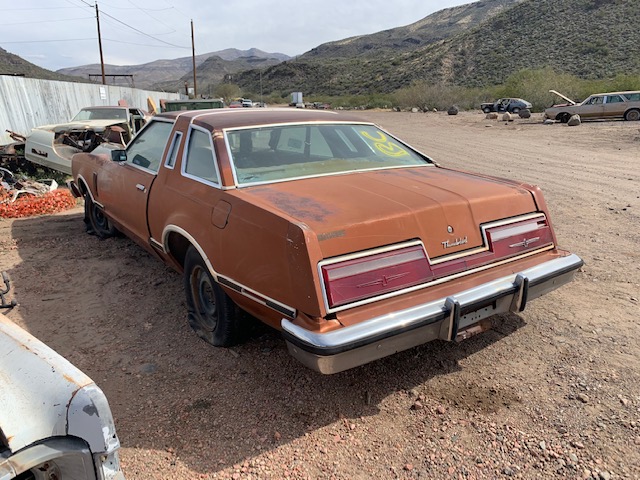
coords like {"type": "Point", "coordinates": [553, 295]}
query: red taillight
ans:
{"type": "Point", "coordinates": [373, 275]}
{"type": "Point", "coordinates": [518, 237]}
{"type": "Point", "coordinates": [363, 277]}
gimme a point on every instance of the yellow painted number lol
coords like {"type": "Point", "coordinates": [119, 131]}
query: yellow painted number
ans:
{"type": "Point", "coordinates": [385, 146]}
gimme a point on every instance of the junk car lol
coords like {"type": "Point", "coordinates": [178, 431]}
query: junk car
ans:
{"type": "Point", "coordinates": [55, 422]}
{"type": "Point", "coordinates": [53, 146]}
{"type": "Point", "coordinates": [329, 228]}
{"type": "Point", "coordinates": [511, 105]}
{"type": "Point", "coordinates": [597, 106]}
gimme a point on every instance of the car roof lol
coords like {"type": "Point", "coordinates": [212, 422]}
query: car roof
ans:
{"type": "Point", "coordinates": [221, 118]}
{"type": "Point", "coordinates": [103, 106]}
{"type": "Point", "coordinates": [615, 93]}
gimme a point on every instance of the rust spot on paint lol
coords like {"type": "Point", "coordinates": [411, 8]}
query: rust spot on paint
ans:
{"type": "Point", "coordinates": [303, 208]}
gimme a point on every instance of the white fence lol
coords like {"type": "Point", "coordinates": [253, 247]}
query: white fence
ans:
{"type": "Point", "coordinates": [28, 102]}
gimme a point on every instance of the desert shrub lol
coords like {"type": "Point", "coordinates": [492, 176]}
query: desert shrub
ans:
{"type": "Point", "coordinates": [228, 91]}
{"type": "Point", "coordinates": [426, 96]}
{"type": "Point", "coordinates": [534, 86]}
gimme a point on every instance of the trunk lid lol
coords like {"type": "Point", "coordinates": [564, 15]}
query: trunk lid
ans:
{"type": "Point", "coordinates": [359, 211]}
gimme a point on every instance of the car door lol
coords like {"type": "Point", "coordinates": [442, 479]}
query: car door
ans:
{"type": "Point", "coordinates": [187, 196]}
{"type": "Point", "coordinates": [593, 107]}
{"type": "Point", "coordinates": [614, 106]}
{"type": "Point", "coordinates": [124, 188]}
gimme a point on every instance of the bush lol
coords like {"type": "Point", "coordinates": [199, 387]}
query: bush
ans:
{"type": "Point", "coordinates": [426, 96]}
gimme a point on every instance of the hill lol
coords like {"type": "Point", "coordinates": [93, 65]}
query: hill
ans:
{"type": "Point", "coordinates": [213, 71]}
{"type": "Point", "coordinates": [436, 27]}
{"type": "Point", "coordinates": [11, 64]}
{"type": "Point", "coordinates": [585, 38]}
{"type": "Point", "coordinates": [170, 72]}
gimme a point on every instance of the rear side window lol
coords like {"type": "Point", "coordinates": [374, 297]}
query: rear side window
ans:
{"type": "Point", "coordinates": [633, 97]}
{"type": "Point", "coordinates": [200, 159]}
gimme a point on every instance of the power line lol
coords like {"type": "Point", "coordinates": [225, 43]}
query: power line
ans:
{"type": "Point", "coordinates": [154, 18]}
{"type": "Point", "coordinates": [50, 41]}
{"type": "Point", "coordinates": [141, 32]}
{"type": "Point", "coordinates": [44, 21]}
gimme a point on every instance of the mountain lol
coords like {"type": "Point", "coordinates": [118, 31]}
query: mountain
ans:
{"type": "Point", "coordinates": [169, 71]}
{"type": "Point", "coordinates": [11, 64]}
{"type": "Point", "coordinates": [586, 38]}
{"type": "Point", "coordinates": [213, 71]}
{"type": "Point", "coordinates": [436, 27]}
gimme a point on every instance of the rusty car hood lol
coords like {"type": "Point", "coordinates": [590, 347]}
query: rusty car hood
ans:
{"type": "Point", "coordinates": [357, 211]}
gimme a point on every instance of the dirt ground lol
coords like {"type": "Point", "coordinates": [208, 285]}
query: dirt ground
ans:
{"type": "Point", "coordinates": [552, 392]}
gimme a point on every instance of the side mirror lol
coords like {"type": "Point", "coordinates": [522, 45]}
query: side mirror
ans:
{"type": "Point", "coordinates": [119, 155]}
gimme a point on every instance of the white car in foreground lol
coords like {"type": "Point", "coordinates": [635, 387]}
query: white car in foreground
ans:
{"type": "Point", "coordinates": [55, 422]}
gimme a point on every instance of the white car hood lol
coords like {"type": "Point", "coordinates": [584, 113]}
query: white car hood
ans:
{"type": "Point", "coordinates": [37, 387]}
{"type": "Point", "coordinates": [82, 125]}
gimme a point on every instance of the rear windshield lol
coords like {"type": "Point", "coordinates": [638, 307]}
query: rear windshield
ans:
{"type": "Point", "coordinates": [282, 152]}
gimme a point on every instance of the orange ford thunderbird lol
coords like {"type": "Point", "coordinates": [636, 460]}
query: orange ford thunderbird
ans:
{"type": "Point", "coordinates": [326, 227]}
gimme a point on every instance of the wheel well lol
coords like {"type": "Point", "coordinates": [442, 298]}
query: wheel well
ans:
{"type": "Point", "coordinates": [82, 186]}
{"type": "Point", "coordinates": [177, 246]}
{"type": "Point", "coordinates": [632, 110]}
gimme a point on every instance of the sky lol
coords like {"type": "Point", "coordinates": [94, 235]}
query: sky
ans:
{"type": "Point", "coordinates": [55, 34]}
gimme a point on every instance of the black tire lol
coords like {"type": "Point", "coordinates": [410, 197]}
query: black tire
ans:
{"type": "Point", "coordinates": [96, 221]}
{"type": "Point", "coordinates": [486, 110]}
{"type": "Point", "coordinates": [211, 313]}
{"type": "Point", "coordinates": [564, 117]}
{"type": "Point", "coordinates": [632, 115]}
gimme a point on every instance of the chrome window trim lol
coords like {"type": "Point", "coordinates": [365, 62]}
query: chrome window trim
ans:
{"type": "Point", "coordinates": [175, 143]}
{"type": "Point", "coordinates": [223, 279]}
{"type": "Point", "coordinates": [429, 162]}
{"type": "Point", "coordinates": [144, 127]}
{"type": "Point", "coordinates": [437, 281]}
{"type": "Point", "coordinates": [185, 154]}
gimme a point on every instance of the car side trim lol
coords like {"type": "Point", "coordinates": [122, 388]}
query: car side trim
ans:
{"type": "Point", "coordinates": [77, 187]}
{"type": "Point", "coordinates": [222, 279]}
{"type": "Point", "coordinates": [444, 318]}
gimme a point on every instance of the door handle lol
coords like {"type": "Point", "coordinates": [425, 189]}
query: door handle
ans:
{"type": "Point", "coordinates": [140, 187]}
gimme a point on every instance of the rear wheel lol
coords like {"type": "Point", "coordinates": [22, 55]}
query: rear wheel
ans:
{"type": "Point", "coordinates": [632, 115]}
{"type": "Point", "coordinates": [486, 110]}
{"type": "Point", "coordinates": [97, 222]}
{"type": "Point", "coordinates": [516, 110]}
{"type": "Point", "coordinates": [211, 312]}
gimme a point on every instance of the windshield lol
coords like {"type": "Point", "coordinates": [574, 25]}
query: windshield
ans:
{"type": "Point", "coordinates": [281, 152]}
{"type": "Point", "coordinates": [101, 114]}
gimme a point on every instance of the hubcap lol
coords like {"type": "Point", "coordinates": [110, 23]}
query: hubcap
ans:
{"type": "Point", "coordinates": [204, 298]}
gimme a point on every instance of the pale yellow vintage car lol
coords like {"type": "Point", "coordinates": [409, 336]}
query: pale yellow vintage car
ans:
{"type": "Point", "coordinates": [600, 105]}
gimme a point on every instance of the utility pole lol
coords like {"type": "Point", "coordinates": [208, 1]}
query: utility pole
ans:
{"type": "Point", "coordinates": [193, 57]}
{"type": "Point", "coordinates": [104, 82]}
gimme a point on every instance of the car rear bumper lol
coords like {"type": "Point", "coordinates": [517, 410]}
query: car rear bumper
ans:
{"type": "Point", "coordinates": [450, 318]}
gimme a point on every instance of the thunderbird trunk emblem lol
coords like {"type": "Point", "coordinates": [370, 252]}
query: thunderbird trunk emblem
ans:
{"type": "Point", "coordinates": [525, 243]}
{"type": "Point", "coordinates": [455, 243]}
{"type": "Point", "coordinates": [384, 281]}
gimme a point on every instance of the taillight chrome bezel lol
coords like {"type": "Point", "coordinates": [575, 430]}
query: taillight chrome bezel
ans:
{"type": "Point", "coordinates": [481, 255]}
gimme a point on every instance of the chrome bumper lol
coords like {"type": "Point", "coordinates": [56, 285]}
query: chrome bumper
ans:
{"type": "Point", "coordinates": [444, 319]}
